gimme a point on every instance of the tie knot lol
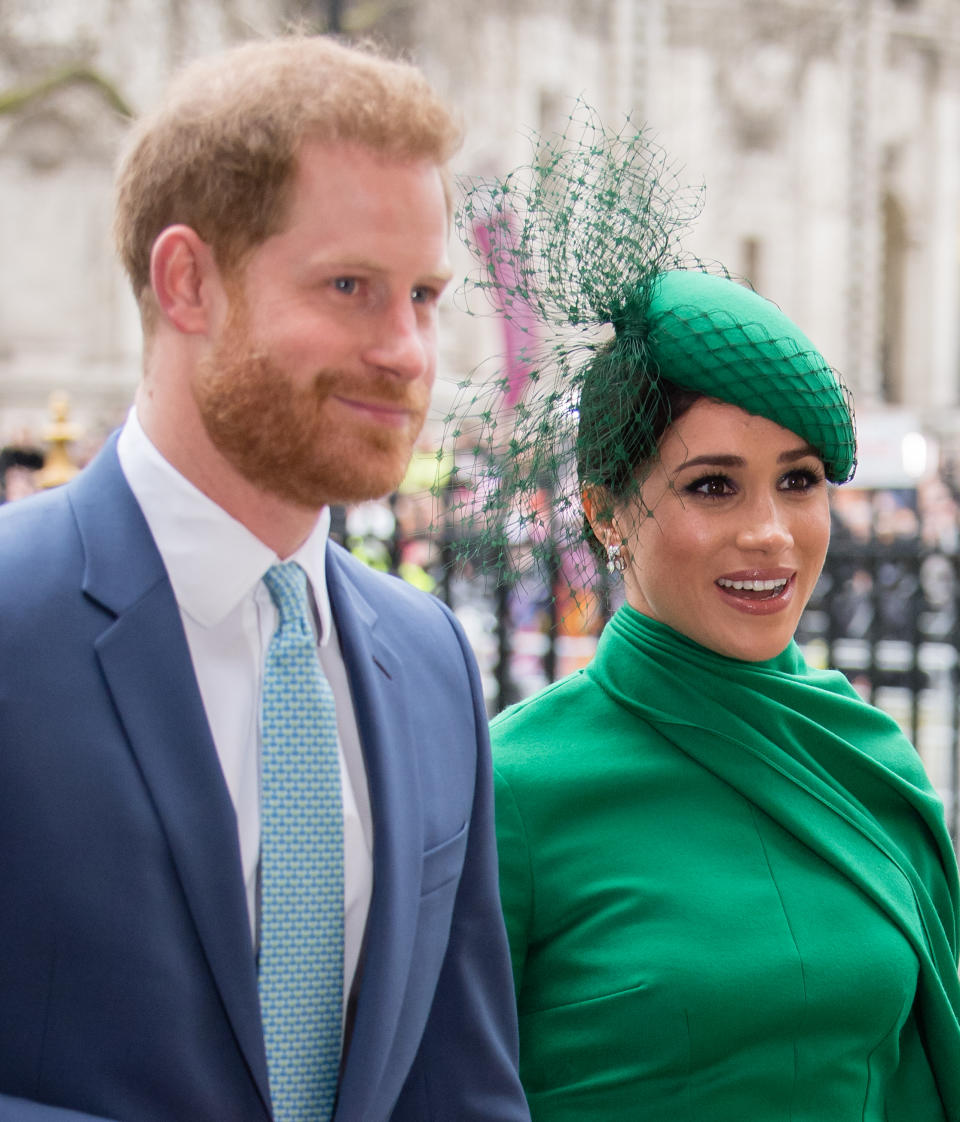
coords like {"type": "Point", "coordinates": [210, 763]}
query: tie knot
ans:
{"type": "Point", "coordinates": [287, 584]}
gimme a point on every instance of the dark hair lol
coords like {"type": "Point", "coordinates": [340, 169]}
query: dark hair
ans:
{"type": "Point", "coordinates": [626, 408]}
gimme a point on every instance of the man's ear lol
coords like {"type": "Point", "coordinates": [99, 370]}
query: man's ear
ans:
{"type": "Point", "coordinates": [184, 278]}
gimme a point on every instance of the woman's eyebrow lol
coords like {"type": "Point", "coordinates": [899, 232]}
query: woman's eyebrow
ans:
{"type": "Point", "coordinates": [798, 454]}
{"type": "Point", "coordinates": [730, 460]}
{"type": "Point", "coordinates": [713, 459]}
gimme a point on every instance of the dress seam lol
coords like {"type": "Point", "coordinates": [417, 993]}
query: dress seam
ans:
{"type": "Point", "coordinates": [796, 945]}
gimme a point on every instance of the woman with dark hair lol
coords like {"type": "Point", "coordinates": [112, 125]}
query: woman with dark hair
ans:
{"type": "Point", "coordinates": [727, 882]}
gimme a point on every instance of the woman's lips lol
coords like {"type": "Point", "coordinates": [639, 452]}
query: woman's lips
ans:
{"type": "Point", "coordinates": [758, 593]}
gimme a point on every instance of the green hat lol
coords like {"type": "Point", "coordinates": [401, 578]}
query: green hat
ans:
{"type": "Point", "coordinates": [710, 334]}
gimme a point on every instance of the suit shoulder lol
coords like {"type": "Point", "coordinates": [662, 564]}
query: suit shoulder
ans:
{"type": "Point", "coordinates": [33, 530]}
{"type": "Point", "coordinates": [387, 592]}
{"type": "Point", "coordinates": [32, 512]}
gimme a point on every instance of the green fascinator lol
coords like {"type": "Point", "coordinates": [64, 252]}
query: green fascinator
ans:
{"type": "Point", "coordinates": [708, 333]}
{"type": "Point", "coordinates": [605, 319]}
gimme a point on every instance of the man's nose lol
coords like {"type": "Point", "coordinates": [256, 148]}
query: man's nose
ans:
{"type": "Point", "coordinates": [401, 343]}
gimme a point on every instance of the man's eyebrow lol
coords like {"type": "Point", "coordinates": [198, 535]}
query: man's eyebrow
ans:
{"type": "Point", "coordinates": [440, 275]}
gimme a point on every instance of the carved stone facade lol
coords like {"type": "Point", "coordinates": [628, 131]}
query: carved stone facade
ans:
{"type": "Point", "coordinates": [826, 133]}
{"type": "Point", "coordinates": [72, 72]}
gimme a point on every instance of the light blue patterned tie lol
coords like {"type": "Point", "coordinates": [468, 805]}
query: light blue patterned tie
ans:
{"type": "Point", "coordinates": [301, 864]}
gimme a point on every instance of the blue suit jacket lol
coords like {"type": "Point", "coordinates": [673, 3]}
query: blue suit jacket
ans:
{"type": "Point", "coordinates": [127, 980]}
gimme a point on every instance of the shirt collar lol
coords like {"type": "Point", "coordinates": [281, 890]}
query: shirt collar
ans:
{"type": "Point", "coordinates": [213, 560]}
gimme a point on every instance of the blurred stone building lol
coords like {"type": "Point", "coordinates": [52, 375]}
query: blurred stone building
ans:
{"type": "Point", "coordinates": [826, 133]}
{"type": "Point", "coordinates": [72, 73]}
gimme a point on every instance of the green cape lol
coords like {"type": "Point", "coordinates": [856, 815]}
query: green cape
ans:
{"type": "Point", "coordinates": [837, 773]}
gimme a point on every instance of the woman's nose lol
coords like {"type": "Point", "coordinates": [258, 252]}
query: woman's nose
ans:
{"type": "Point", "coordinates": [765, 528]}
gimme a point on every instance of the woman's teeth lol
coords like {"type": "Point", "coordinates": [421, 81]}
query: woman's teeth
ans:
{"type": "Point", "coordinates": [752, 585]}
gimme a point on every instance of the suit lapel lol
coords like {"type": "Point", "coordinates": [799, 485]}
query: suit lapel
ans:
{"type": "Point", "coordinates": [376, 683]}
{"type": "Point", "coordinates": [148, 671]}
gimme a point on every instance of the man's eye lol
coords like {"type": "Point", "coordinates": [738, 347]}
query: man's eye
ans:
{"type": "Point", "coordinates": [346, 285]}
{"type": "Point", "coordinates": [423, 294]}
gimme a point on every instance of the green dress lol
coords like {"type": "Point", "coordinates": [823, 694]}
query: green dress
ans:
{"type": "Point", "coordinates": [729, 892]}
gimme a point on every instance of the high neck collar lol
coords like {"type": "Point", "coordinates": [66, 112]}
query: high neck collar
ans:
{"type": "Point", "coordinates": [649, 634]}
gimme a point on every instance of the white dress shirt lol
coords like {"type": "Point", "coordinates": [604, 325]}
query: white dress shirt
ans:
{"type": "Point", "coordinates": [216, 565]}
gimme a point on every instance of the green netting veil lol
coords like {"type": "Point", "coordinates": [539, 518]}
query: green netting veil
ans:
{"type": "Point", "coordinates": [606, 321]}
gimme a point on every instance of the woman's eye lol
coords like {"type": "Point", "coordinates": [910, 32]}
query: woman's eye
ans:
{"type": "Point", "coordinates": [713, 486]}
{"type": "Point", "coordinates": [801, 480]}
